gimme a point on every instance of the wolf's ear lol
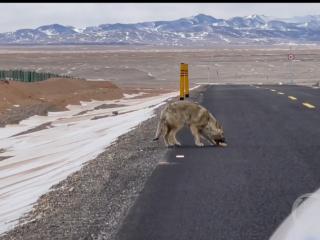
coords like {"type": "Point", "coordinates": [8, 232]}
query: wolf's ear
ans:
{"type": "Point", "coordinates": [218, 125]}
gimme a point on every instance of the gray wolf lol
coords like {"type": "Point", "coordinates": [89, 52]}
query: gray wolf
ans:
{"type": "Point", "coordinates": [200, 121]}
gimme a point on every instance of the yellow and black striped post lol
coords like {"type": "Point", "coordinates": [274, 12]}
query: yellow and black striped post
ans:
{"type": "Point", "coordinates": [184, 81]}
{"type": "Point", "coordinates": [182, 73]}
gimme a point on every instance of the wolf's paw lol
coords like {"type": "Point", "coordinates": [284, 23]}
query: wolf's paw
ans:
{"type": "Point", "coordinates": [200, 144]}
{"type": "Point", "coordinates": [223, 144]}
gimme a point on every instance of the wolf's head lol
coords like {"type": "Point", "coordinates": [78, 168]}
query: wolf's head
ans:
{"type": "Point", "coordinates": [214, 132]}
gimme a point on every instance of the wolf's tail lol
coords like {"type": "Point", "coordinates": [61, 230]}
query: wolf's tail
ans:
{"type": "Point", "coordinates": [159, 129]}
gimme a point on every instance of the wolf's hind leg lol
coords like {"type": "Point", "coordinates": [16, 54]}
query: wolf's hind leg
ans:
{"type": "Point", "coordinates": [195, 133]}
{"type": "Point", "coordinates": [165, 135]}
{"type": "Point", "coordinates": [168, 138]}
{"type": "Point", "coordinates": [174, 133]}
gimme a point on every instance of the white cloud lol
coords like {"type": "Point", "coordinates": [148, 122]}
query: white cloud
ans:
{"type": "Point", "coordinates": [31, 15]}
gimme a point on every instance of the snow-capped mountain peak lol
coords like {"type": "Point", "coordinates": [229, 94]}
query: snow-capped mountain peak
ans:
{"type": "Point", "coordinates": [56, 29]}
{"type": "Point", "coordinates": [198, 29]}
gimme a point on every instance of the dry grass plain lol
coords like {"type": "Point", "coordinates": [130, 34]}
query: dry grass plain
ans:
{"type": "Point", "coordinates": [149, 67]}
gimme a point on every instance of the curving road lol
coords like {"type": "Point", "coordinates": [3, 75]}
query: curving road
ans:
{"type": "Point", "coordinates": [243, 191]}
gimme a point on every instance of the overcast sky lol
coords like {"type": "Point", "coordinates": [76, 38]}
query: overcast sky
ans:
{"type": "Point", "coordinates": [31, 15]}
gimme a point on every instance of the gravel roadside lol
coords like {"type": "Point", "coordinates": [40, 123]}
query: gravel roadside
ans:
{"type": "Point", "coordinates": [92, 203]}
{"type": "Point", "coordinates": [23, 112]}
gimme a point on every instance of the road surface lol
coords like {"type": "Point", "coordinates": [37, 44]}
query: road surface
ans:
{"type": "Point", "coordinates": [243, 191]}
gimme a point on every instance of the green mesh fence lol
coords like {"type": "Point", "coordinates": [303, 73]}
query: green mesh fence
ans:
{"type": "Point", "coordinates": [27, 76]}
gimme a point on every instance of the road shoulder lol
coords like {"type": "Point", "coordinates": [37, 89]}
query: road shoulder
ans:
{"type": "Point", "coordinates": [93, 202]}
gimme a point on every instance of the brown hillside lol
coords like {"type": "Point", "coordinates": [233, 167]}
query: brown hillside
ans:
{"type": "Point", "coordinates": [52, 94]}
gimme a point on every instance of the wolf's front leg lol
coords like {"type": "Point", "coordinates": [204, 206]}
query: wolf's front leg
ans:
{"type": "Point", "coordinates": [195, 133]}
{"type": "Point", "coordinates": [212, 142]}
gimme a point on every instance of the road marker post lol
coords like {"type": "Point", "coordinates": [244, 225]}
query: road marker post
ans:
{"type": "Point", "coordinates": [184, 81]}
{"type": "Point", "coordinates": [291, 58]}
{"type": "Point", "coordinates": [181, 81]}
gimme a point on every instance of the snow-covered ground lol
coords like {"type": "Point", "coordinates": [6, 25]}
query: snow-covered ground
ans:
{"type": "Point", "coordinates": [133, 95]}
{"type": "Point", "coordinates": [43, 158]}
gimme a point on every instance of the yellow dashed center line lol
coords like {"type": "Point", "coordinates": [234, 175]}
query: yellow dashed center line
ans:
{"type": "Point", "coordinates": [308, 105]}
{"type": "Point", "coordinates": [292, 98]}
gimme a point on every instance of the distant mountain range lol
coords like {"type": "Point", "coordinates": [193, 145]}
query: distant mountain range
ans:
{"type": "Point", "coordinates": [196, 30]}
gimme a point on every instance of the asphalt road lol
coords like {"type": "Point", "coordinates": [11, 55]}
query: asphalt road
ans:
{"type": "Point", "coordinates": [243, 191]}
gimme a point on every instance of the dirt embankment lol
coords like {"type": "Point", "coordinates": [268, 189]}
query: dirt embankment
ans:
{"type": "Point", "coordinates": [21, 100]}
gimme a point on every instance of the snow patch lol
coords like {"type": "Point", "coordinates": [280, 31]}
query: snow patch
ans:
{"type": "Point", "coordinates": [43, 158]}
{"type": "Point", "coordinates": [49, 32]}
{"type": "Point", "coordinates": [133, 95]}
{"type": "Point", "coordinates": [79, 30]}
{"type": "Point", "coordinates": [224, 39]}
